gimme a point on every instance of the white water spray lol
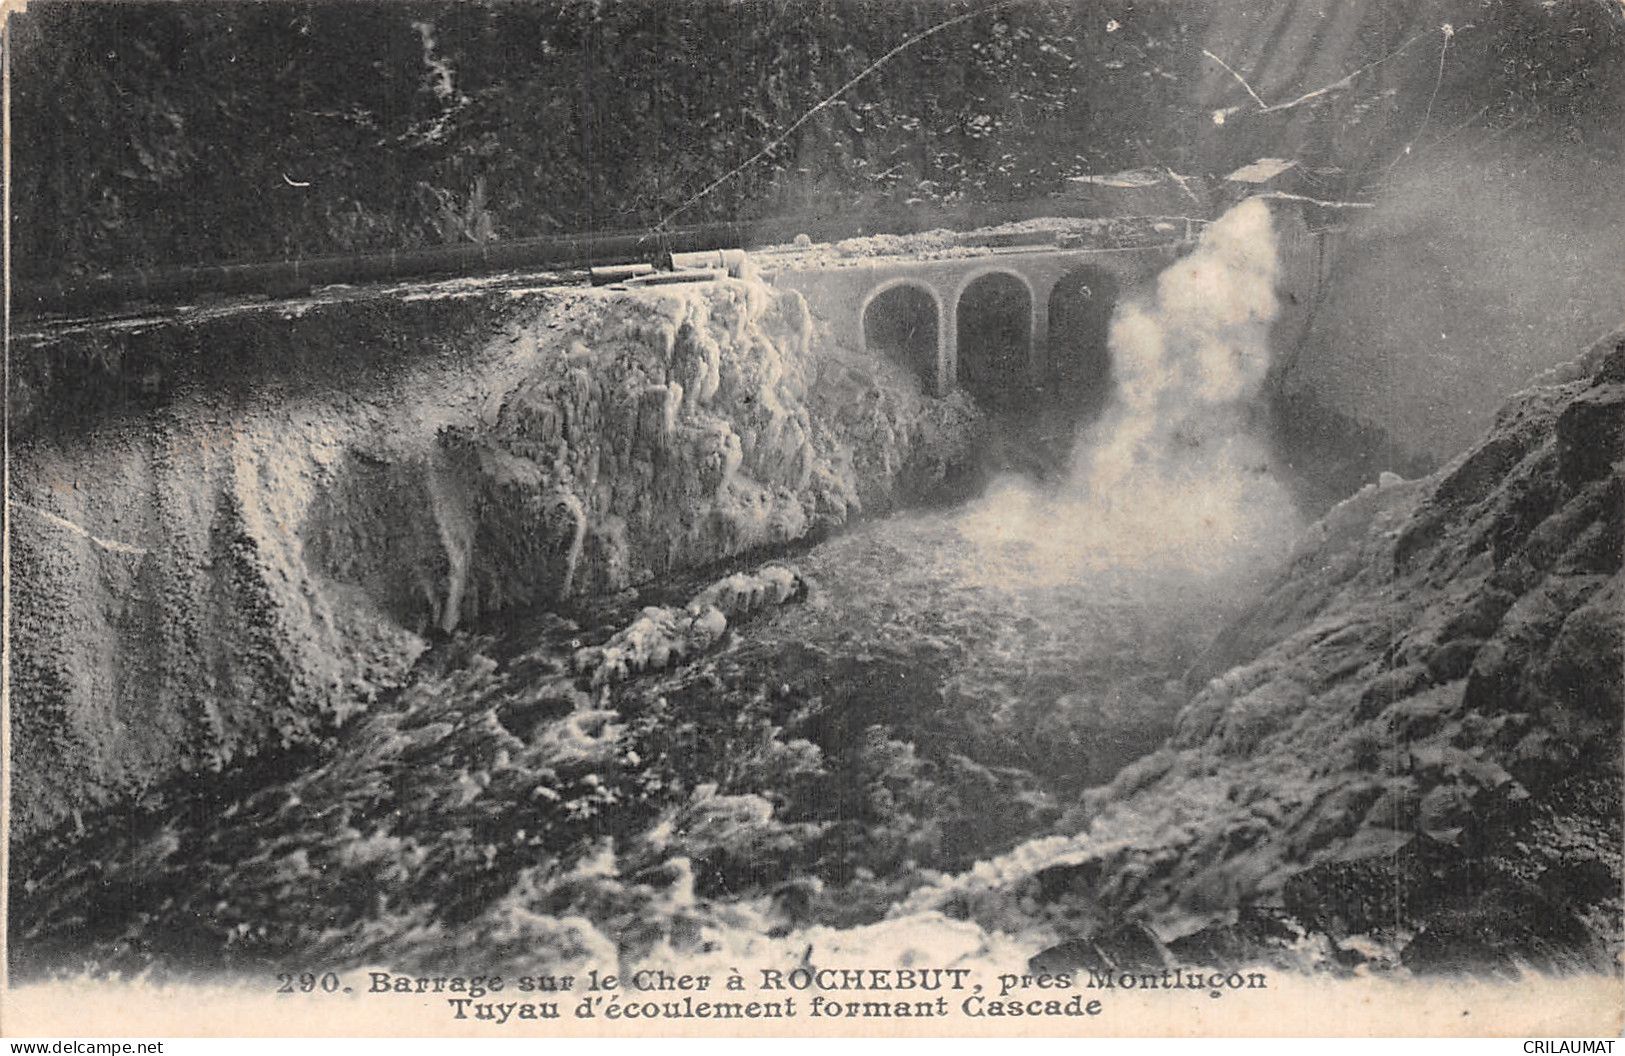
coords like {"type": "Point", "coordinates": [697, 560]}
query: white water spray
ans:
{"type": "Point", "coordinates": [1173, 477]}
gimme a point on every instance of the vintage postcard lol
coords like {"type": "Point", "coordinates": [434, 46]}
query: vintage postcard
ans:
{"type": "Point", "coordinates": [772, 518]}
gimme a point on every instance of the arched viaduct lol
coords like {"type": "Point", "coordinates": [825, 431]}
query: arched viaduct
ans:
{"type": "Point", "coordinates": [1000, 321]}
{"type": "Point", "coordinates": [981, 321]}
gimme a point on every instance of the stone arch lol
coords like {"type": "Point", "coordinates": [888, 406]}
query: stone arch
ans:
{"type": "Point", "coordinates": [901, 320]}
{"type": "Point", "coordinates": [994, 314]}
{"type": "Point", "coordinates": [1080, 313]}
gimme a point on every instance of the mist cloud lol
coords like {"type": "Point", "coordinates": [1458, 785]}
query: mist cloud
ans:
{"type": "Point", "coordinates": [1173, 476]}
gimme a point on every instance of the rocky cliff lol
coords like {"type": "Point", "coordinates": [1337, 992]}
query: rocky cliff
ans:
{"type": "Point", "coordinates": [257, 549]}
{"type": "Point", "coordinates": [1408, 753]}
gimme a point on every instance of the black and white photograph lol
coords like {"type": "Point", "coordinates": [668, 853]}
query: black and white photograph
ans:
{"type": "Point", "coordinates": [814, 518]}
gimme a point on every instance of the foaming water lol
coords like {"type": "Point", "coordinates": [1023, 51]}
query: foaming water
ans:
{"type": "Point", "coordinates": [1172, 480]}
{"type": "Point", "coordinates": [946, 689]}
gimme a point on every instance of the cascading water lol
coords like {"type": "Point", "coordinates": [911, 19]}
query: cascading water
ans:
{"type": "Point", "coordinates": [951, 681]}
{"type": "Point", "coordinates": [1171, 479]}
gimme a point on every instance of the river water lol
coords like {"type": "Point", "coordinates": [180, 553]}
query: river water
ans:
{"type": "Point", "coordinates": [949, 683]}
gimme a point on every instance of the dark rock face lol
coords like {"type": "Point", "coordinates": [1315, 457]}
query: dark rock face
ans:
{"type": "Point", "coordinates": [1433, 302]}
{"type": "Point", "coordinates": [1410, 748]}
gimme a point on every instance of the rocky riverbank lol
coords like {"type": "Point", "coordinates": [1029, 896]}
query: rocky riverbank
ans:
{"type": "Point", "coordinates": [273, 508]}
{"type": "Point", "coordinates": [1406, 754]}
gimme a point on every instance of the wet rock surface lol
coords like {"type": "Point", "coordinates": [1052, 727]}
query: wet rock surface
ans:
{"type": "Point", "coordinates": [1407, 754]}
{"type": "Point", "coordinates": [663, 636]}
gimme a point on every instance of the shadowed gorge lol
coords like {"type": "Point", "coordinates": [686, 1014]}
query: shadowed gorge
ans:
{"type": "Point", "coordinates": [995, 330]}
{"type": "Point", "coordinates": [901, 324]}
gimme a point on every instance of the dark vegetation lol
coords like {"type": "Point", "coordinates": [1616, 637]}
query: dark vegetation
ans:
{"type": "Point", "coordinates": [188, 132]}
{"type": "Point", "coordinates": [176, 132]}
